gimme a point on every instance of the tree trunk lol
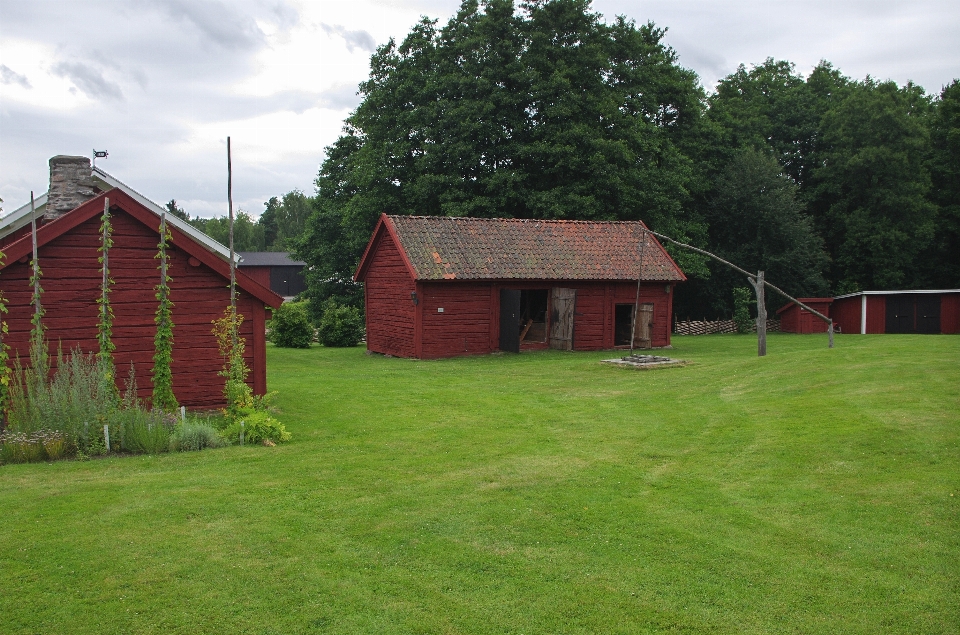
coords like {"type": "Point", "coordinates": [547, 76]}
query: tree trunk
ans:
{"type": "Point", "coordinates": [758, 286]}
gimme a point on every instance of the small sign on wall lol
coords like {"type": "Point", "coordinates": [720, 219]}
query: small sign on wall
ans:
{"type": "Point", "coordinates": [439, 309]}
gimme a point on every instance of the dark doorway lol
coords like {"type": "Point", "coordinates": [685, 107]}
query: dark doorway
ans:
{"type": "Point", "coordinates": [623, 317]}
{"type": "Point", "coordinates": [928, 313]}
{"type": "Point", "coordinates": [510, 320]}
{"type": "Point", "coordinates": [900, 311]}
{"type": "Point", "coordinates": [533, 315]}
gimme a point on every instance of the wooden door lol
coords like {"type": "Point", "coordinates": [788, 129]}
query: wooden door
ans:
{"type": "Point", "coordinates": [510, 320]}
{"type": "Point", "coordinates": [563, 303]}
{"type": "Point", "coordinates": [643, 326]}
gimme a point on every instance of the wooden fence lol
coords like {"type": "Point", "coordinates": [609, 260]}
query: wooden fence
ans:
{"type": "Point", "coordinates": [706, 327]}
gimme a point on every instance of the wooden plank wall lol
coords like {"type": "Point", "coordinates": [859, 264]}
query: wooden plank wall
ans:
{"type": "Point", "coordinates": [463, 328]}
{"type": "Point", "coordinates": [845, 313]}
{"type": "Point", "coordinates": [950, 313]}
{"type": "Point", "coordinates": [71, 283]}
{"type": "Point", "coordinates": [390, 311]}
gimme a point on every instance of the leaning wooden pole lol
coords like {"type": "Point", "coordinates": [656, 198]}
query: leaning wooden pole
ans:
{"type": "Point", "coordinates": [758, 285]}
{"type": "Point", "coordinates": [233, 270]}
{"type": "Point", "coordinates": [752, 279]}
{"type": "Point", "coordinates": [636, 302]}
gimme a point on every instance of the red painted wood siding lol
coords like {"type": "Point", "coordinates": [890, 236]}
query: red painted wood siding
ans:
{"type": "Point", "coordinates": [798, 320]}
{"type": "Point", "coordinates": [260, 274]}
{"type": "Point", "coordinates": [463, 327]}
{"type": "Point", "coordinates": [71, 283]}
{"type": "Point", "coordinates": [950, 313]}
{"type": "Point", "coordinates": [845, 313]}
{"type": "Point", "coordinates": [390, 312]}
{"type": "Point", "coordinates": [876, 314]}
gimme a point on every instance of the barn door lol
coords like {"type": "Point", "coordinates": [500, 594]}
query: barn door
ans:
{"type": "Point", "coordinates": [900, 313]}
{"type": "Point", "coordinates": [563, 303]}
{"type": "Point", "coordinates": [510, 320]}
{"type": "Point", "coordinates": [643, 326]}
{"type": "Point", "coordinates": [928, 313]}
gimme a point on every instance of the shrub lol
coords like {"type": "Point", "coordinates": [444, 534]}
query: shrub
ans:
{"type": "Point", "coordinates": [290, 326]}
{"type": "Point", "coordinates": [340, 326]}
{"type": "Point", "coordinates": [144, 432]}
{"type": "Point", "coordinates": [742, 299]}
{"type": "Point", "coordinates": [258, 426]}
{"type": "Point", "coordinates": [193, 435]}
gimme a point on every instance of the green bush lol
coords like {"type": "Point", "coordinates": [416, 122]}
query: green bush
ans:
{"type": "Point", "coordinates": [290, 326]}
{"type": "Point", "coordinates": [340, 326]}
{"type": "Point", "coordinates": [257, 427]}
{"type": "Point", "coordinates": [142, 431]}
{"type": "Point", "coordinates": [191, 436]}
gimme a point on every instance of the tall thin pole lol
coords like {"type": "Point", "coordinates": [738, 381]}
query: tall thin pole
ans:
{"type": "Point", "coordinates": [35, 263]}
{"type": "Point", "coordinates": [233, 273]}
{"type": "Point", "coordinates": [106, 254]}
{"type": "Point", "coordinates": [636, 302]}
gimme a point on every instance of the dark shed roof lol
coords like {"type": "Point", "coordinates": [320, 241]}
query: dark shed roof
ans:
{"type": "Point", "coordinates": [267, 259]}
{"type": "Point", "coordinates": [441, 247]}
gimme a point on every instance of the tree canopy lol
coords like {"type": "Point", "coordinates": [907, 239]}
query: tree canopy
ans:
{"type": "Point", "coordinates": [546, 110]}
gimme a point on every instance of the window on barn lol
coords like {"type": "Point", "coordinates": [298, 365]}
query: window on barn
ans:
{"type": "Point", "coordinates": [622, 324]}
{"type": "Point", "coordinates": [533, 315]}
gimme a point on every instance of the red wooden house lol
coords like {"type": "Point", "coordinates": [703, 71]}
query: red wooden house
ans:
{"type": "Point", "coordinates": [68, 240]}
{"type": "Point", "coordinates": [796, 319]}
{"type": "Point", "coordinates": [923, 311]}
{"type": "Point", "coordinates": [441, 286]}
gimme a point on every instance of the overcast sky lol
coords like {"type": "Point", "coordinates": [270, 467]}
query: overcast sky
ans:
{"type": "Point", "coordinates": [161, 83]}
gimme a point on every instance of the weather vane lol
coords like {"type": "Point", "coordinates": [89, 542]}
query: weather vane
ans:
{"type": "Point", "coordinates": [99, 154]}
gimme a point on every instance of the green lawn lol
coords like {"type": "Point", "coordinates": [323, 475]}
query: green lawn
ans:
{"type": "Point", "coordinates": [810, 491]}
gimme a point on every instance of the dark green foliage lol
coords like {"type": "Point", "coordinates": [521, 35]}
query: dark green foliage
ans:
{"type": "Point", "coordinates": [869, 193]}
{"type": "Point", "coordinates": [340, 326]}
{"type": "Point", "coordinates": [248, 234]}
{"type": "Point", "coordinates": [942, 268]}
{"type": "Point", "coordinates": [290, 326]}
{"type": "Point", "coordinates": [284, 219]}
{"type": "Point", "coordinates": [175, 210]}
{"type": "Point", "coordinates": [743, 298]}
{"type": "Point", "coordinates": [545, 112]}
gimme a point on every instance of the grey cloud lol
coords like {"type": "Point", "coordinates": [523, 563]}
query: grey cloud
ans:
{"type": "Point", "coordinates": [10, 76]}
{"type": "Point", "coordinates": [88, 80]}
{"type": "Point", "coordinates": [354, 39]}
{"type": "Point", "coordinates": [217, 21]}
{"type": "Point", "coordinates": [340, 97]}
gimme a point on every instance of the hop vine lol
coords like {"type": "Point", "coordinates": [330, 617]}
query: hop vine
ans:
{"type": "Point", "coordinates": [5, 370]}
{"type": "Point", "coordinates": [163, 397]}
{"type": "Point", "coordinates": [105, 324]}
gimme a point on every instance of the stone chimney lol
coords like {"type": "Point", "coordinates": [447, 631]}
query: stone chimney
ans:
{"type": "Point", "coordinates": [71, 185]}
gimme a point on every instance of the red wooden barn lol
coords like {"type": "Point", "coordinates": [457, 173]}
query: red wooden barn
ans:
{"type": "Point", "coordinates": [796, 319]}
{"type": "Point", "coordinates": [441, 286]}
{"type": "Point", "coordinates": [925, 311]}
{"type": "Point", "coordinates": [68, 240]}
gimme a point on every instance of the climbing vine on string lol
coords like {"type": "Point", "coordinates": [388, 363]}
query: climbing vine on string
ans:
{"type": "Point", "coordinates": [105, 323]}
{"type": "Point", "coordinates": [163, 397]}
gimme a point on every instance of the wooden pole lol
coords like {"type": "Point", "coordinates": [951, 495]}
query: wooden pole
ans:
{"type": "Point", "coordinates": [758, 285]}
{"type": "Point", "coordinates": [106, 238]}
{"type": "Point", "coordinates": [751, 277]}
{"type": "Point", "coordinates": [636, 302]}
{"type": "Point", "coordinates": [35, 264]}
{"type": "Point", "coordinates": [233, 273]}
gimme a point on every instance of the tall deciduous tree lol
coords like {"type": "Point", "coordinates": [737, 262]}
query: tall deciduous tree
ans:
{"type": "Point", "coordinates": [869, 191]}
{"type": "Point", "coordinates": [943, 266]}
{"type": "Point", "coordinates": [545, 112]}
{"type": "Point", "coordinates": [758, 222]}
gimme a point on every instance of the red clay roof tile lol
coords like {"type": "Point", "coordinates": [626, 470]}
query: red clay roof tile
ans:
{"type": "Point", "coordinates": [441, 247]}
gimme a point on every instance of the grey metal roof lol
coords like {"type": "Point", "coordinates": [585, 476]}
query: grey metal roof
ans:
{"type": "Point", "coordinates": [21, 216]}
{"type": "Point", "coordinates": [267, 259]}
{"type": "Point", "coordinates": [853, 295]}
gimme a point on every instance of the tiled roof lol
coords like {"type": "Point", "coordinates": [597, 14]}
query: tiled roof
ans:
{"type": "Point", "coordinates": [441, 247]}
